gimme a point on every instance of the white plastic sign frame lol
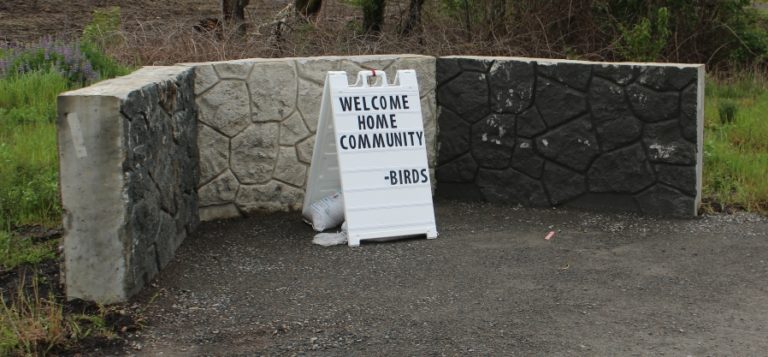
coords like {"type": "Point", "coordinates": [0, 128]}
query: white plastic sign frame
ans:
{"type": "Point", "coordinates": [371, 146]}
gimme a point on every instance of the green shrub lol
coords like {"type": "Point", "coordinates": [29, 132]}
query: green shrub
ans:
{"type": "Point", "coordinates": [645, 40]}
{"type": "Point", "coordinates": [727, 111]}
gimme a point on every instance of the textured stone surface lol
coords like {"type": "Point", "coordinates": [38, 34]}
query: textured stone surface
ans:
{"type": "Point", "coordinates": [493, 139]}
{"type": "Point", "coordinates": [233, 69]}
{"type": "Point", "coordinates": [664, 143]}
{"type": "Point", "coordinates": [557, 103]}
{"type": "Point", "coordinates": [225, 107]}
{"type": "Point", "coordinates": [293, 130]}
{"type": "Point", "coordinates": [573, 144]}
{"type": "Point", "coordinates": [289, 169]}
{"type": "Point", "coordinates": [254, 153]}
{"type": "Point", "coordinates": [273, 90]}
{"type": "Point", "coordinates": [653, 106]}
{"type": "Point", "coordinates": [598, 136]}
{"type": "Point", "coordinates": [466, 95]}
{"type": "Point", "coordinates": [529, 123]}
{"type": "Point", "coordinates": [461, 169]}
{"type": "Point", "coordinates": [517, 188]}
{"type": "Point", "coordinates": [625, 170]}
{"type": "Point", "coordinates": [511, 86]}
{"type": "Point", "coordinates": [572, 74]}
{"type": "Point", "coordinates": [271, 197]}
{"type": "Point", "coordinates": [527, 159]}
{"type": "Point", "coordinates": [454, 137]}
{"type": "Point", "coordinates": [214, 152]}
{"type": "Point", "coordinates": [129, 174]}
{"type": "Point", "coordinates": [662, 200]}
{"type": "Point", "coordinates": [562, 184]}
{"type": "Point", "coordinates": [220, 190]}
{"type": "Point", "coordinates": [205, 78]}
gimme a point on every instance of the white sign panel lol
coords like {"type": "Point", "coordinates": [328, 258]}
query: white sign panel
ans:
{"type": "Point", "coordinates": [371, 145]}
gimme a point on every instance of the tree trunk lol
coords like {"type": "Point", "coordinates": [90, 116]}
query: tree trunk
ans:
{"type": "Point", "coordinates": [234, 14]}
{"type": "Point", "coordinates": [414, 17]}
{"type": "Point", "coordinates": [373, 16]}
{"type": "Point", "coordinates": [307, 8]}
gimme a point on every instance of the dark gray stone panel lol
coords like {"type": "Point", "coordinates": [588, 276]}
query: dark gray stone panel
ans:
{"type": "Point", "coordinates": [525, 159]}
{"type": "Point", "coordinates": [662, 200]}
{"type": "Point", "coordinates": [619, 132]}
{"type": "Point", "coordinates": [619, 74]}
{"type": "Point", "coordinates": [575, 75]}
{"type": "Point", "coordinates": [459, 191]}
{"type": "Point", "coordinates": [573, 145]}
{"type": "Point", "coordinates": [688, 110]}
{"type": "Point", "coordinates": [462, 169]}
{"type": "Point", "coordinates": [682, 178]}
{"type": "Point", "coordinates": [476, 64]}
{"type": "Point", "coordinates": [511, 85]}
{"type": "Point", "coordinates": [653, 106]}
{"type": "Point", "coordinates": [454, 136]}
{"type": "Point", "coordinates": [607, 101]}
{"type": "Point", "coordinates": [624, 170]}
{"type": "Point", "coordinates": [493, 140]}
{"type": "Point", "coordinates": [530, 123]}
{"type": "Point", "coordinates": [562, 184]}
{"type": "Point", "coordinates": [466, 95]}
{"type": "Point", "coordinates": [557, 103]}
{"type": "Point", "coordinates": [596, 136]}
{"type": "Point", "coordinates": [446, 68]}
{"type": "Point", "coordinates": [511, 187]}
{"type": "Point", "coordinates": [666, 78]}
{"type": "Point", "coordinates": [665, 144]}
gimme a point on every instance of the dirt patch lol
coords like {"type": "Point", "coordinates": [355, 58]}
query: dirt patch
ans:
{"type": "Point", "coordinates": [490, 284]}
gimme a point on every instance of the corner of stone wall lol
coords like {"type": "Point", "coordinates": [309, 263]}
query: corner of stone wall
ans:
{"type": "Point", "coordinates": [128, 174]}
{"type": "Point", "coordinates": [257, 122]}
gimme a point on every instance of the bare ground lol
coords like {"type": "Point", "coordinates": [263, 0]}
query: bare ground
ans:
{"type": "Point", "coordinates": [490, 285]}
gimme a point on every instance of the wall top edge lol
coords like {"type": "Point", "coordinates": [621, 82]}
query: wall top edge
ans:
{"type": "Point", "coordinates": [357, 58]}
{"type": "Point", "coordinates": [555, 61]}
{"type": "Point", "coordinates": [120, 87]}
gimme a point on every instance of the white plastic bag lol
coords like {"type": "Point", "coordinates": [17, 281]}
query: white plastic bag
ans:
{"type": "Point", "coordinates": [331, 239]}
{"type": "Point", "coordinates": [327, 212]}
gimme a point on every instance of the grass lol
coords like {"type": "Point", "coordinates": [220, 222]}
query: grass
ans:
{"type": "Point", "coordinates": [35, 324]}
{"type": "Point", "coordinates": [28, 156]}
{"type": "Point", "coordinates": [736, 141]}
{"type": "Point", "coordinates": [15, 251]}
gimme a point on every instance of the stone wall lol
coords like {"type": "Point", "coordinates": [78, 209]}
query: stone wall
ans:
{"type": "Point", "coordinates": [144, 156]}
{"type": "Point", "coordinates": [257, 126]}
{"type": "Point", "coordinates": [548, 133]}
{"type": "Point", "coordinates": [129, 170]}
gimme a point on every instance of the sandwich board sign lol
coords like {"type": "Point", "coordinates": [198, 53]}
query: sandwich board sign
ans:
{"type": "Point", "coordinates": [370, 145]}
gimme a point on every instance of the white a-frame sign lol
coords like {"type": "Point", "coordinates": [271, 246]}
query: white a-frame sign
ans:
{"type": "Point", "coordinates": [370, 145]}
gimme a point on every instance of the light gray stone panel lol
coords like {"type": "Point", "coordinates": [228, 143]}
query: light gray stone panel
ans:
{"type": "Point", "coordinates": [226, 107]}
{"type": "Point", "coordinates": [224, 211]}
{"type": "Point", "coordinates": [273, 90]}
{"type": "Point", "coordinates": [221, 190]}
{"type": "Point", "coordinates": [205, 78]}
{"type": "Point", "coordinates": [214, 152]}
{"type": "Point", "coordinates": [304, 150]}
{"type": "Point", "coordinates": [233, 69]}
{"type": "Point", "coordinates": [293, 130]}
{"type": "Point", "coordinates": [310, 96]}
{"type": "Point", "coordinates": [271, 197]}
{"type": "Point", "coordinates": [314, 69]}
{"type": "Point", "coordinates": [254, 153]}
{"type": "Point", "coordinates": [288, 168]}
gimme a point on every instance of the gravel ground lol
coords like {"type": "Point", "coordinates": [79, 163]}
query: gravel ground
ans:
{"type": "Point", "coordinates": [606, 284]}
